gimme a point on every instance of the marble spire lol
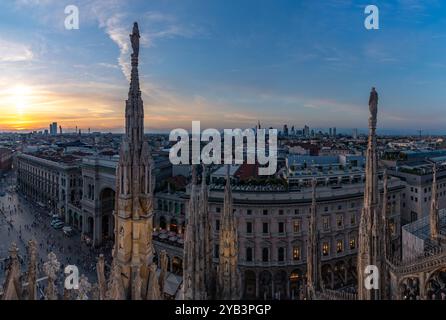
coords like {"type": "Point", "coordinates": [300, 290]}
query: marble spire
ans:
{"type": "Point", "coordinates": [370, 231]}
{"type": "Point", "coordinates": [228, 277]}
{"type": "Point", "coordinates": [12, 288]}
{"type": "Point", "coordinates": [32, 270]}
{"type": "Point", "coordinates": [206, 242]}
{"type": "Point", "coordinates": [192, 277]}
{"type": "Point", "coordinates": [197, 262]}
{"type": "Point", "coordinates": [133, 250]}
{"type": "Point", "coordinates": [313, 254]}
{"type": "Point", "coordinates": [433, 213]}
{"type": "Point", "coordinates": [385, 243]}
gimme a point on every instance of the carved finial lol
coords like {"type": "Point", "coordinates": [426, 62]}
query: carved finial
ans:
{"type": "Point", "coordinates": [12, 288]}
{"type": "Point", "coordinates": [84, 288]}
{"type": "Point", "coordinates": [51, 267]}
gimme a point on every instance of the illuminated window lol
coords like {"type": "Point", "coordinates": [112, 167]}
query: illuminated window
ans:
{"type": "Point", "coordinates": [339, 246]}
{"type": "Point", "coordinates": [325, 248]}
{"type": "Point", "coordinates": [352, 243]}
{"type": "Point", "coordinates": [296, 253]}
{"type": "Point", "coordinates": [296, 225]}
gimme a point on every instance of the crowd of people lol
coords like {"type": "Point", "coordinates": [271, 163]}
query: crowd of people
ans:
{"type": "Point", "coordinates": [25, 221]}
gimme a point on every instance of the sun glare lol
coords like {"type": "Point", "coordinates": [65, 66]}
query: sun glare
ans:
{"type": "Point", "coordinates": [20, 96]}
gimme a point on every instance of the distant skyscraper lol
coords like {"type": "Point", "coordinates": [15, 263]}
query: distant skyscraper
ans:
{"type": "Point", "coordinates": [60, 130]}
{"type": "Point", "coordinates": [334, 132]}
{"type": "Point", "coordinates": [330, 133]}
{"type": "Point", "coordinates": [355, 133]}
{"type": "Point", "coordinates": [53, 128]}
{"type": "Point", "coordinates": [285, 130]}
{"type": "Point", "coordinates": [306, 131]}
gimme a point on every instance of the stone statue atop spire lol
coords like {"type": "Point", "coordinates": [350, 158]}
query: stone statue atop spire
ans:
{"type": "Point", "coordinates": [373, 106]}
{"type": "Point", "coordinates": [134, 38]}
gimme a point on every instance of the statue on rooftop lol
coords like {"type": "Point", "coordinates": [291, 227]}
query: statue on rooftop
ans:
{"type": "Point", "coordinates": [134, 38]}
{"type": "Point", "coordinates": [373, 104]}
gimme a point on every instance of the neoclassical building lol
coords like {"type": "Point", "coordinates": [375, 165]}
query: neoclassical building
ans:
{"type": "Point", "coordinates": [273, 232]}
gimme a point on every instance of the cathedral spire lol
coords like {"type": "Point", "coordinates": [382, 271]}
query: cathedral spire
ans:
{"type": "Point", "coordinates": [433, 214]}
{"type": "Point", "coordinates": [313, 255]}
{"type": "Point", "coordinates": [197, 274]}
{"type": "Point", "coordinates": [385, 243]}
{"type": "Point", "coordinates": [134, 112]}
{"type": "Point", "coordinates": [191, 275]}
{"type": "Point", "coordinates": [228, 278]}
{"type": "Point", "coordinates": [133, 251]}
{"type": "Point", "coordinates": [206, 242]}
{"type": "Point", "coordinates": [370, 232]}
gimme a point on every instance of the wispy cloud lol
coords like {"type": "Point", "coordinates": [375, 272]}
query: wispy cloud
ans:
{"type": "Point", "coordinates": [15, 51]}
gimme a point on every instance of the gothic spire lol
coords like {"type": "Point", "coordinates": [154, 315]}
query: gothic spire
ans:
{"type": "Point", "coordinates": [12, 288]}
{"type": "Point", "coordinates": [133, 251]}
{"type": "Point", "coordinates": [313, 255]}
{"type": "Point", "coordinates": [197, 248]}
{"type": "Point", "coordinates": [32, 270]}
{"type": "Point", "coordinates": [191, 275]}
{"type": "Point", "coordinates": [134, 106]}
{"type": "Point", "coordinates": [228, 279]}
{"type": "Point", "coordinates": [370, 232]}
{"type": "Point", "coordinates": [433, 214]}
{"type": "Point", "coordinates": [385, 243]}
{"type": "Point", "coordinates": [206, 241]}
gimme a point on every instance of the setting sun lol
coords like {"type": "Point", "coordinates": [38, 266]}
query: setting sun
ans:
{"type": "Point", "coordinates": [20, 96]}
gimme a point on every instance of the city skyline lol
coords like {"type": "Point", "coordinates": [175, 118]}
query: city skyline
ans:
{"type": "Point", "coordinates": [292, 63]}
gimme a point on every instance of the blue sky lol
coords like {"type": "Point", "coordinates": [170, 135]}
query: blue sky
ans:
{"type": "Point", "coordinates": [226, 63]}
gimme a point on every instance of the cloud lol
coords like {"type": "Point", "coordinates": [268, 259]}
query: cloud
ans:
{"type": "Point", "coordinates": [15, 52]}
{"type": "Point", "coordinates": [117, 23]}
